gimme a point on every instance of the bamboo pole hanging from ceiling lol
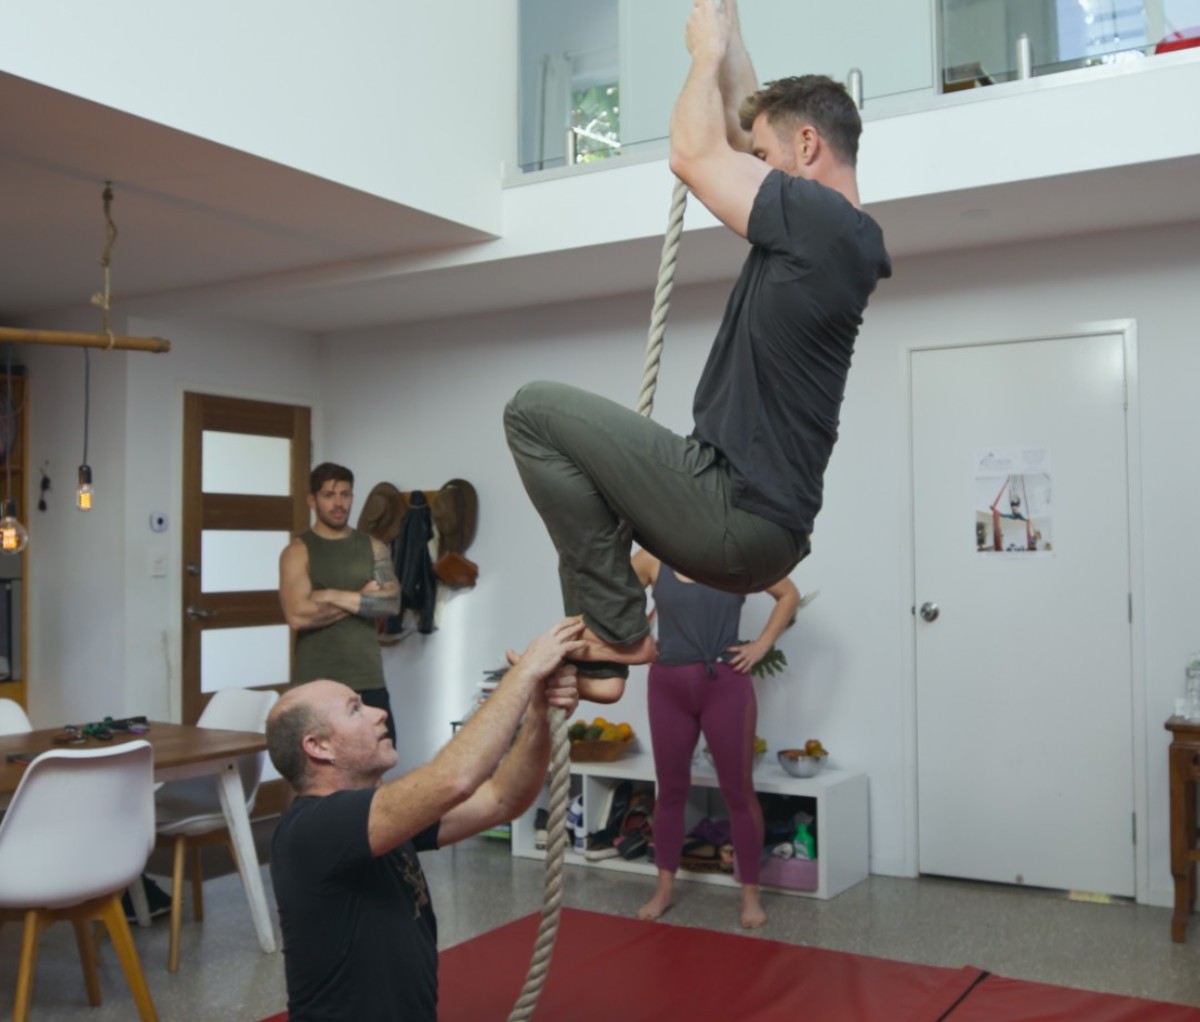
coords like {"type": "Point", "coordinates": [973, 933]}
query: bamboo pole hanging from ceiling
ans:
{"type": "Point", "coordinates": [83, 340]}
{"type": "Point", "coordinates": [105, 338]}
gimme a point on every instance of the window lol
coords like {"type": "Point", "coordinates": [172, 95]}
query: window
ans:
{"type": "Point", "coordinates": [596, 121]}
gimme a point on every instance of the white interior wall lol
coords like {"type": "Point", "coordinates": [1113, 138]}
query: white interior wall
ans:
{"type": "Point", "coordinates": [104, 634]}
{"type": "Point", "coordinates": [411, 101]}
{"type": "Point", "coordinates": [75, 593]}
{"type": "Point", "coordinates": [420, 405]}
{"type": "Point", "coordinates": [446, 384]}
{"type": "Point", "coordinates": [255, 363]}
{"type": "Point", "coordinates": [1015, 292]}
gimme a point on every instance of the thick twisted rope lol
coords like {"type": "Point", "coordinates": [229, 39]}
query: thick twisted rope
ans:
{"type": "Point", "coordinates": [104, 298]}
{"type": "Point", "coordinates": [556, 847]}
{"type": "Point", "coordinates": [560, 760]}
{"type": "Point", "coordinates": [662, 299]}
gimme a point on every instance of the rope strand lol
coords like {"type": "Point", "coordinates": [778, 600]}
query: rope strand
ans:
{"type": "Point", "coordinates": [560, 762]}
{"type": "Point", "coordinates": [104, 299]}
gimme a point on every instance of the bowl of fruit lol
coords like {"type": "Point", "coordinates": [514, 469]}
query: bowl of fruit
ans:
{"type": "Point", "coordinates": [599, 741]}
{"type": "Point", "coordinates": [805, 762]}
{"type": "Point", "coordinates": [760, 750]}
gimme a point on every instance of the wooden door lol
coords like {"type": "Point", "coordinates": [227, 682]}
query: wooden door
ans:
{"type": "Point", "coordinates": [245, 480]}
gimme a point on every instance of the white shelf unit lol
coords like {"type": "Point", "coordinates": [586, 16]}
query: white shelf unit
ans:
{"type": "Point", "coordinates": [841, 818]}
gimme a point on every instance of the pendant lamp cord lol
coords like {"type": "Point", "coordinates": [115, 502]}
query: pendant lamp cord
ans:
{"type": "Point", "coordinates": [104, 299]}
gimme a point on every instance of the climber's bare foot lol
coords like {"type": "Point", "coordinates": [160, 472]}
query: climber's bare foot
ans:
{"type": "Point", "coordinates": [640, 651]}
{"type": "Point", "coordinates": [599, 690]}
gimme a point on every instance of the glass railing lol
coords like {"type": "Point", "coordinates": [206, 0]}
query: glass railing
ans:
{"type": "Point", "coordinates": [598, 78]}
{"type": "Point", "coordinates": [985, 42]}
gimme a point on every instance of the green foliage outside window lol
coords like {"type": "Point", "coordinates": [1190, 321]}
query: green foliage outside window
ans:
{"type": "Point", "coordinates": [596, 118]}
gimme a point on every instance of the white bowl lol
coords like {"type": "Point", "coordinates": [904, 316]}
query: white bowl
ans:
{"type": "Point", "coordinates": [801, 764]}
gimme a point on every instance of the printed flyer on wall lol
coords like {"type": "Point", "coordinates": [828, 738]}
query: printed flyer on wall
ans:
{"type": "Point", "coordinates": [1012, 503]}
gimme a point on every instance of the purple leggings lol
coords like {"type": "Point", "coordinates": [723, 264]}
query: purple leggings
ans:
{"type": "Point", "coordinates": [685, 701]}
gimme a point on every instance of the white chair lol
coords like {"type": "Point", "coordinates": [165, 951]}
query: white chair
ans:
{"type": "Point", "coordinates": [77, 832]}
{"type": "Point", "coordinates": [13, 719]}
{"type": "Point", "coordinates": [189, 812]}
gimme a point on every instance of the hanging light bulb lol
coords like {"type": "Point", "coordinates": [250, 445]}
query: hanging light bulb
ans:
{"type": "Point", "coordinates": [83, 495]}
{"type": "Point", "coordinates": [13, 535]}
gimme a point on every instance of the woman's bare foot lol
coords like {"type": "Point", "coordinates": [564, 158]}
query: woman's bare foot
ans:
{"type": "Point", "coordinates": [753, 915]}
{"type": "Point", "coordinates": [657, 906]}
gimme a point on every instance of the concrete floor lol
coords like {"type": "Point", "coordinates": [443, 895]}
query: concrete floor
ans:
{"type": "Point", "coordinates": [1119, 948]}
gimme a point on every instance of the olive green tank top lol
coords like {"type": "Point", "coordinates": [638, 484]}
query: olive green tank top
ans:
{"type": "Point", "coordinates": [347, 650]}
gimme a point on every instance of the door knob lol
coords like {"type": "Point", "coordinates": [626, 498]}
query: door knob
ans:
{"type": "Point", "coordinates": [196, 612]}
{"type": "Point", "coordinates": [929, 611]}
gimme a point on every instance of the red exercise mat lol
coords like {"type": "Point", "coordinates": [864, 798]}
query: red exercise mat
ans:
{"type": "Point", "coordinates": [612, 969]}
{"type": "Point", "coordinates": [607, 968]}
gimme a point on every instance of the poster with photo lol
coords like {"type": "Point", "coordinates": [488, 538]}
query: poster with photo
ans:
{"type": "Point", "coordinates": [1013, 511]}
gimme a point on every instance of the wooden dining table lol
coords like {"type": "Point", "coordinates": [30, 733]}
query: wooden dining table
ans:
{"type": "Point", "coordinates": [180, 751]}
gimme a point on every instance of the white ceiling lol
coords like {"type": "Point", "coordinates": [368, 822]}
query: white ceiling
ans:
{"type": "Point", "coordinates": [206, 227]}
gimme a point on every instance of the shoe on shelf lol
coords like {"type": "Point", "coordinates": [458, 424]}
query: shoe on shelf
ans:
{"type": "Point", "coordinates": [541, 821]}
{"type": "Point", "coordinates": [617, 805]}
{"type": "Point", "coordinates": [158, 900]}
{"type": "Point", "coordinates": [575, 829]}
{"type": "Point", "coordinates": [600, 845]}
{"type": "Point", "coordinates": [633, 846]}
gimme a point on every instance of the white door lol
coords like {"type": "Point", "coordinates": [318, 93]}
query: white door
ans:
{"type": "Point", "coordinates": [1023, 657]}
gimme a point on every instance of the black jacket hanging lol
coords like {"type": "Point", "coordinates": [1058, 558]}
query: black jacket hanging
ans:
{"type": "Point", "coordinates": [414, 569]}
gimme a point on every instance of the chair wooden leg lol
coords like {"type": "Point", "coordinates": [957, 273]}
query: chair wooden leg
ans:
{"type": "Point", "coordinates": [176, 903]}
{"type": "Point", "coordinates": [35, 923]}
{"type": "Point", "coordinates": [197, 885]}
{"type": "Point", "coordinates": [86, 940]}
{"type": "Point", "coordinates": [118, 931]}
{"type": "Point", "coordinates": [141, 907]}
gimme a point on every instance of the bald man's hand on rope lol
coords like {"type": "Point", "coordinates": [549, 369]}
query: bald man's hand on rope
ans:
{"type": "Point", "coordinates": [548, 651]}
{"type": "Point", "coordinates": [562, 689]}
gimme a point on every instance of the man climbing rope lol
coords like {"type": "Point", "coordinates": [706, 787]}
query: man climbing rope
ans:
{"type": "Point", "coordinates": [734, 502]}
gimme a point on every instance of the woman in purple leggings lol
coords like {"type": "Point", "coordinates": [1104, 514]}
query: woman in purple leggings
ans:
{"type": "Point", "coordinates": [701, 683]}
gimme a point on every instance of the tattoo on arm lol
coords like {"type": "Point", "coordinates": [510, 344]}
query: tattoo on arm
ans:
{"type": "Point", "coordinates": [385, 570]}
{"type": "Point", "coordinates": [385, 602]}
{"type": "Point", "coordinates": [378, 605]}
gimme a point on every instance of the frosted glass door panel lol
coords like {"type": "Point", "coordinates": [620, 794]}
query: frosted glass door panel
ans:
{"type": "Point", "coordinates": [240, 561]}
{"type": "Point", "coordinates": [246, 463]}
{"type": "Point", "coordinates": [244, 657]}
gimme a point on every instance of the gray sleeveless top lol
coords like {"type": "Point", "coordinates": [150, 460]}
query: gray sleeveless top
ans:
{"type": "Point", "coordinates": [696, 624]}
